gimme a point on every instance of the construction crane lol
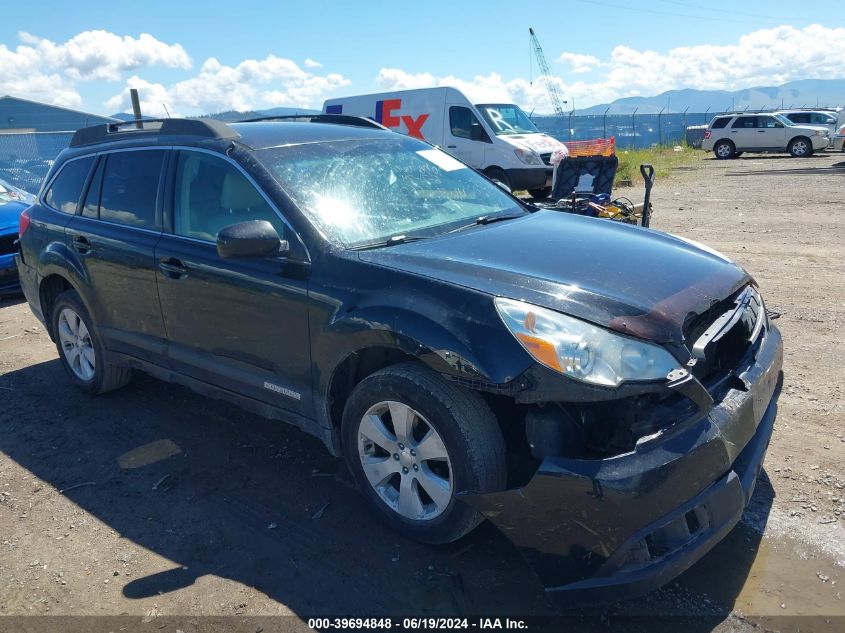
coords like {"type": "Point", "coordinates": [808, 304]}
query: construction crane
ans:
{"type": "Point", "coordinates": [551, 86]}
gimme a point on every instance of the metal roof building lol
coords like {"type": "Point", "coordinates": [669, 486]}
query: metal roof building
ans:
{"type": "Point", "coordinates": [22, 116]}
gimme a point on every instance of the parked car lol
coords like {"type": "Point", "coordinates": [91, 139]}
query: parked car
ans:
{"type": "Point", "coordinates": [813, 118]}
{"type": "Point", "coordinates": [838, 143]}
{"type": "Point", "coordinates": [729, 135]}
{"type": "Point", "coordinates": [10, 193]}
{"type": "Point", "coordinates": [469, 356]}
{"type": "Point", "coordinates": [10, 213]}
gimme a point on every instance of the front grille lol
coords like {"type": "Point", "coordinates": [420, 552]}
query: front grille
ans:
{"type": "Point", "coordinates": [720, 338]}
{"type": "Point", "coordinates": [546, 158]}
{"type": "Point", "coordinates": [7, 244]}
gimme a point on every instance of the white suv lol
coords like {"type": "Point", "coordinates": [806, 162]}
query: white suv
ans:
{"type": "Point", "coordinates": [729, 135]}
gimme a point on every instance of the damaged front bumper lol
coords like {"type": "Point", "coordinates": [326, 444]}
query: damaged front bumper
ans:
{"type": "Point", "coordinates": [608, 529]}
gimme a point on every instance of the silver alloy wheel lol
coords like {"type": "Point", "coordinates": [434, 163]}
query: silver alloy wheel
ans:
{"type": "Point", "coordinates": [724, 150]}
{"type": "Point", "coordinates": [76, 344]}
{"type": "Point", "coordinates": [799, 148]}
{"type": "Point", "coordinates": [405, 461]}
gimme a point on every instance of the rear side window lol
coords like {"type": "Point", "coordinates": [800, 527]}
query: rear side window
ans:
{"type": "Point", "coordinates": [745, 122]}
{"type": "Point", "coordinates": [63, 195]}
{"type": "Point", "coordinates": [90, 209]}
{"type": "Point", "coordinates": [130, 188]}
{"type": "Point", "coordinates": [799, 117]}
{"type": "Point", "coordinates": [718, 124]}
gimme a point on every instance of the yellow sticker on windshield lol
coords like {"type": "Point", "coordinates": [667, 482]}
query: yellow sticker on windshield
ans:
{"type": "Point", "coordinates": [441, 159]}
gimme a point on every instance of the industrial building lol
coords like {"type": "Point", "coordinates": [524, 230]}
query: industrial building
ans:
{"type": "Point", "coordinates": [31, 136]}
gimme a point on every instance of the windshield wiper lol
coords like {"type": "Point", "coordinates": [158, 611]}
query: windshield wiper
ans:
{"type": "Point", "coordinates": [391, 241]}
{"type": "Point", "coordinates": [487, 219]}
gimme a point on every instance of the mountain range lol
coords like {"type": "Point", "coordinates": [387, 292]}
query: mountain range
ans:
{"type": "Point", "coordinates": [808, 93]}
{"type": "Point", "coordinates": [232, 116]}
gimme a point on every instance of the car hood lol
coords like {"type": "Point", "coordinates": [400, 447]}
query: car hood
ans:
{"type": "Point", "coordinates": [629, 279]}
{"type": "Point", "coordinates": [10, 213]}
{"type": "Point", "coordinates": [540, 143]}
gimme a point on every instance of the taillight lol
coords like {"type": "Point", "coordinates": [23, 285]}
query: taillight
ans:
{"type": "Point", "coordinates": [706, 133]}
{"type": "Point", "coordinates": [23, 223]}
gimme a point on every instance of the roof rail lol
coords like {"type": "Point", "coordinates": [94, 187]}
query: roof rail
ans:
{"type": "Point", "coordinates": [204, 128]}
{"type": "Point", "coordinates": [338, 119]}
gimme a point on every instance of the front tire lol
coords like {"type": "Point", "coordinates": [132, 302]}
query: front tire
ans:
{"type": "Point", "coordinates": [497, 174]}
{"type": "Point", "coordinates": [80, 348]}
{"type": "Point", "coordinates": [724, 150]}
{"type": "Point", "coordinates": [541, 193]}
{"type": "Point", "coordinates": [800, 147]}
{"type": "Point", "coordinates": [412, 441]}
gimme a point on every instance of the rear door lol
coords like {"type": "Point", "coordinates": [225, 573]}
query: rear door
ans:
{"type": "Point", "coordinates": [743, 132]}
{"type": "Point", "coordinates": [114, 237]}
{"type": "Point", "coordinates": [240, 324]}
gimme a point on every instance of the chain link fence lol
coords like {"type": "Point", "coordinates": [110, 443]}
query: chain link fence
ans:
{"type": "Point", "coordinates": [632, 131]}
{"type": "Point", "coordinates": [25, 158]}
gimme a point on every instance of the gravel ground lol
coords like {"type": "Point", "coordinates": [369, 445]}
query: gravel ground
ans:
{"type": "Point", "coordinates": [152, 502]}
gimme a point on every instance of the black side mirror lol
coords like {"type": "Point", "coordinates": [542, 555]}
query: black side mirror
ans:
{"type": "Point", "coordinates": [256, 238]}
{"type": "Point", "coordinates": [477, 133]}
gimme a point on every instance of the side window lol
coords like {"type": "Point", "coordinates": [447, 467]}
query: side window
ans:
{"type": "Point", "coordinates": [91, 207]}
{"type": "Point", "coordinates": [63, 195]}
{"type": "Point", "coordinates": [718, 124]}
{"type": "Point", "coordinates": [768, 122]}
{"type": "Point", "coordinates": [799, 117]}
{"type": "Point", "coordinates": [460, 121]}
{"type": "Point", "coordinates": [130, 188]}
{"type": "Point", "coordinates": [745, 122]}
{"type": "Point", "coordinates": [211, 194]}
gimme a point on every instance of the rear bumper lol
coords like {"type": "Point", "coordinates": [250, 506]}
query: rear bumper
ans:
{"type": "Point", "coordinates": [29, 286]}
{"type": "Point", "coordinates": [600, 530]}
{"type": "Point", "coordinates": [531, 178]}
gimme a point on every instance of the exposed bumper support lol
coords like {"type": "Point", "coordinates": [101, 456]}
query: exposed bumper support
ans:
{"type": "Point", "coordinates": [613, 528]}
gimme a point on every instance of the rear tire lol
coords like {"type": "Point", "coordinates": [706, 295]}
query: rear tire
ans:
{"type": "Point", "coordinates": [80, 347]}
{"type": "Point", "coordinates": [800, 147]}
{"type": "Point", "coordinates": [444, 440]}
{"type": "Point", "coordinates": [724, 150]}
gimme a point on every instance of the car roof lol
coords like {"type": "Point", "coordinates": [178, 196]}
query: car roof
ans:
{"type": "Point", "coordinates": [266, 134]}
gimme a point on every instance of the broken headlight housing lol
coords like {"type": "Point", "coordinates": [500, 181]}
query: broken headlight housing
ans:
{"type": "Point", "coordinates": [581, 350]}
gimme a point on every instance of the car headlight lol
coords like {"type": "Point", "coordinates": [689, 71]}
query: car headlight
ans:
{"type": "Point", "coordinates": [528, 156]}
{"type": "Point", "coordinates": [581, 350]}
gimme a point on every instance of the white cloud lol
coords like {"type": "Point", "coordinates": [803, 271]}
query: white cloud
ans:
{"type": "Point", "coordinates": [579, 63]}
{"type": "Point", "coordinates": [103, 55]}
{"type": "Point", "coordinates": [252, 84]}
{"type": "Point", "coordinates": [22, 75]}
{"type": "Point", "coordinates": [310, 63]}
{"type": "Point", "coordinates": [767, 57]}
{"type": "Point", "coordinates": [43, 70]}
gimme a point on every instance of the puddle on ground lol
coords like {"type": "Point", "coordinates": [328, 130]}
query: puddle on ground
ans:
{"type": "Point", "coordinates": [771, 577]}
{"type": "Point", "coordinates": [148, 454]}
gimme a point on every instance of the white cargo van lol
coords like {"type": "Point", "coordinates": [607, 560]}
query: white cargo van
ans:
{"type": "Point", "coordinates": [496, 138]}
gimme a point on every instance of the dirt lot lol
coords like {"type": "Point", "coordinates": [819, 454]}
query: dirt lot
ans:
{"type": "Point", "coordinates": [153, 502]}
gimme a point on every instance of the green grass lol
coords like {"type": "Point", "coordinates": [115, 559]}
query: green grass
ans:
{"type": "Point", "coordinates": [663, 158]}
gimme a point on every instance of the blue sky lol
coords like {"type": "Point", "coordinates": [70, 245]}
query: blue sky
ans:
{"type": "Point", "coordinates": [598, 49]}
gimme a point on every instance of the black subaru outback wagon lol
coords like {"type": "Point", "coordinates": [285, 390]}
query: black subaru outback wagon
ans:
{"type": "Point", "coordinates": [602, 393]}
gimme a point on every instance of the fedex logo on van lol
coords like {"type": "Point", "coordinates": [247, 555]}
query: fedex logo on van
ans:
{"type": "Point", "coordinates": [385, 115]}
